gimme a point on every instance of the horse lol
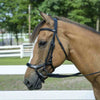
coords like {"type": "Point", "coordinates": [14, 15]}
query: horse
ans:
{"type": "Point", "coordinates": [58, 39]}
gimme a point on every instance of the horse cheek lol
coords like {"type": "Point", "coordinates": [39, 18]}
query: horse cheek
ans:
{"type": "Point", "coordinates": [58, 57]}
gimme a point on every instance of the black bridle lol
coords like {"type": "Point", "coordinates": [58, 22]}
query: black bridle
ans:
{"type": "Point", "coordinates": [48, 60]}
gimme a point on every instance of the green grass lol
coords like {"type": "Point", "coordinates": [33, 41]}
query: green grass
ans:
{"type": "Point", "coordinates": [18, 61]}
{"type": "Point", "coordinates": [14, 61]}
{"type": "Point", "coordinates": [0, 40]}
{"type": "Point", "coordinates": [15, 82]}
{"type": "Point", "coordinates": [67, 62]}
{"type": "Point", "coordinates": [11, 82]}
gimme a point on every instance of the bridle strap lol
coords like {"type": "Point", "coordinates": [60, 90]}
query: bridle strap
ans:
{"type": "Point", "coordinates": [35, 66]}
{"type": "Point", "coordinates": [48, 60]}
{"type": "Point", "coordinates": [48, 29]}
{"type": "Point", "coordinates": [71, 75]}
{"type": "Point", "coordinates": [62, 76]}
{"type": "Point", "coordinates": [62, 46]}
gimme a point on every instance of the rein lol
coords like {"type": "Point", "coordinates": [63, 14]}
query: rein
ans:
{"type": "Point", "coordinates": [48, 60]}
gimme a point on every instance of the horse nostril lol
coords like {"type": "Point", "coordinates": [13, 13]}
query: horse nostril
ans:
{"type": "Point", "coordinates": [27, 83]}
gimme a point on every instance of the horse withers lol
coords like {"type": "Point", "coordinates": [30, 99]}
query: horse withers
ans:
{"type": "Point", "coordinates": [59, 39]}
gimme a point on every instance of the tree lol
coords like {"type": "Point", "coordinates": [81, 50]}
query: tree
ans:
{"type": "Point", "coordinates": [82, 11]}
{"type": "Point", "coordinates": [56, 7]}
{"type": "Point", "coordinates": [14, 15]}
{"type": "Point", "coordinates": [10, 18]}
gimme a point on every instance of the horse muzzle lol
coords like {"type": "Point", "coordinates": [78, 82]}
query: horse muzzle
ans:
{"type": "Point", "coordinates": [33, 82]}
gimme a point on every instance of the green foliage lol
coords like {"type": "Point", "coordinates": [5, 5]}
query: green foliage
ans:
{"type": "Point", "coordinates": [79, 11]}
{"type": "Point", "coordinates": [82, 11]}
{"type": "Point", "coordinates": [14, 13]}
{"type": "Point", "coordinates": [55, 7]}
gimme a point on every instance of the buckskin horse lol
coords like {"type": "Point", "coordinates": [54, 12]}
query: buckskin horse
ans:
{"type": "Point", "coordinates": [59, 39]}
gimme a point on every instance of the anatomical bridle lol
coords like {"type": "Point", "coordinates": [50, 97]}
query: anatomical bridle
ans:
{"type": "Point", "coordinates": [48, 60]}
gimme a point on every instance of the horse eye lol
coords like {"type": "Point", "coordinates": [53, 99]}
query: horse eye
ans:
{"type": "Point", "coordinates": [42, 43]}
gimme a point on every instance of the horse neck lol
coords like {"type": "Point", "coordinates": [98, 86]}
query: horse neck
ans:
{"type": "Point", "coordinates": [84, 48]}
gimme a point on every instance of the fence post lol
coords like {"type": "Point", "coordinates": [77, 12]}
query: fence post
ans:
{"type": "Point", "coordinates": [21, 51]}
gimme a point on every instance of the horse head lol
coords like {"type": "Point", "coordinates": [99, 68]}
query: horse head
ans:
{"type": "Point", "coordinates": [50, 51]}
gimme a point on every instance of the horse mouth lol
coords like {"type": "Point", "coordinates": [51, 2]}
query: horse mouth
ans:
{"type": "Point", "coordinates": [33, 85]}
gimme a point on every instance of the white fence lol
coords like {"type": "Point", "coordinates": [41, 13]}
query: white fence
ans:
{"type": "Point", "coordinates": [44, 95]}
{"type": "Point", "coordinates": [47, 95]}
{"type": "Point", "coordinates": [20, 69]}
{"type": "Point", "coordinates": [26, 49]}
{"type": "Point", "coordinates": [10, 51]}
{"type": "Point", "coordinates": [9, 36]}
{"type": "Point", "coordinates": [21, 51]}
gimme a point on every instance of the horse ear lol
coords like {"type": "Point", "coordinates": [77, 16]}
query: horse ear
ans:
{"type": "Point", "coordinates": [47, 18]}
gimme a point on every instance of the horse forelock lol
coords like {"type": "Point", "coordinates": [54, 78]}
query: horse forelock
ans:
{"type": "Point", "coordinates": [36, 31]}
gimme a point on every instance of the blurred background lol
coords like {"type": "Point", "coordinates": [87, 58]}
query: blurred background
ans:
{"type": "Point", "coordinates": [18, 19]}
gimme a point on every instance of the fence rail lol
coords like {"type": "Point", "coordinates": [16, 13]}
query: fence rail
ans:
{"type": "Point", "coordinates": [20, 69]}
{"type": "Point", "coordinates": [47, 95]}
{"type": "Point", "coordinates": [21, 51]}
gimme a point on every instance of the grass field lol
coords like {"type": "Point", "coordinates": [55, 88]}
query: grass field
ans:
{"type": "Point", "coordinates": [18, 61]}
{"type": "Point", "coordinates": [15, 82]}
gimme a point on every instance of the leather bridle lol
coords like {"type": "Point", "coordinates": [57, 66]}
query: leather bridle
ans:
{"type": "Point", "coordinates": [48, 60]}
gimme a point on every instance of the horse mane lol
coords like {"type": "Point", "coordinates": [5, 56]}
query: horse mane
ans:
{"type": "Point", "coordinates": [81, 25]}
{"type": "Point", "coordinates": [36, 31]}
{"type": "Point", "coordinates": [37, 28]}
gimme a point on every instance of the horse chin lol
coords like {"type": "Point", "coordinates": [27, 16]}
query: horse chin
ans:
{"type": "Point", "coordinates": [36, 86]}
